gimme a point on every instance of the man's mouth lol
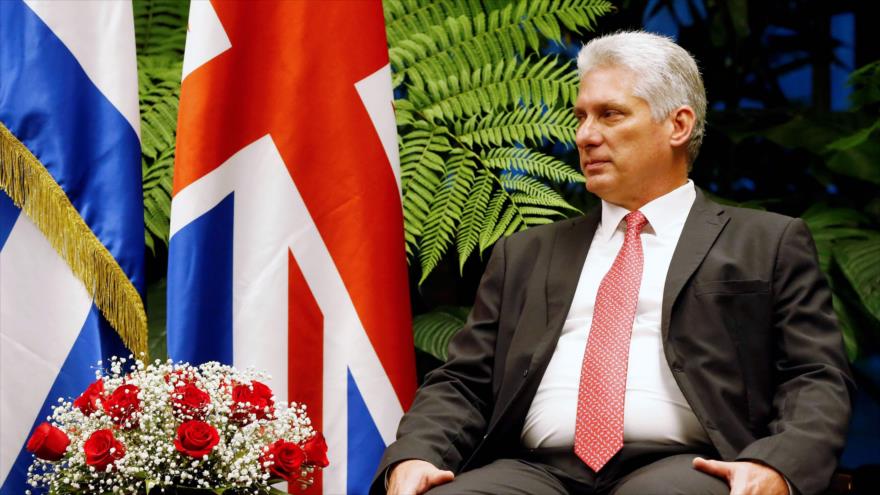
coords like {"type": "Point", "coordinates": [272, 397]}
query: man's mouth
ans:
{"type": "Point", "coordinates": [594, 165]}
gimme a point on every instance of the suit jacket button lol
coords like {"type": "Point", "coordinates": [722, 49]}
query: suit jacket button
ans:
{"type": "Point", "coordinates": [525, 373]}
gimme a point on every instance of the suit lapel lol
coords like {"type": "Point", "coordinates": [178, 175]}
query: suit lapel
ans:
{"type": "Point", "coordinates": [704, 222]}
{"type": "Point", "coordinates": [566, 262]}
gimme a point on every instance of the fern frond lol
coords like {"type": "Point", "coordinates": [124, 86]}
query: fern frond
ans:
{"type": "Point", "coordinates": [521, 126]}
{"type": "Point", "coordinates": [445, 210]}
{"type": "Point", "coordinates": [421, 167]}
{"type": "Point", "coordinates": [468, 235]}
{"type": "Point", "coordinates": [531, 162]}
{"type": "Point", "coordinates": [159, 88]}
{"type": "Point", "coordinates": [404, 17]}
{"type": "Point", "coordinates": [505, 84]}
{"type": "Point", "coordinates": [530, 191]}
{"type": "Point", "coordinates": [160, 27]}
{"type": "Point", "coordinates": [508, 223]}
{"type": "Point", "coordinates": [433, 331]}
{"type": "Point", "coordinates": [484, 38]}
{"type": "Point", "coordinates": [493, 213]}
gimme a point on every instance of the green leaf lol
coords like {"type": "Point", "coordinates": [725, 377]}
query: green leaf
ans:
{"type": "Point", "coordinates": [434, 330]}
{"type": "Point", "coordinates": [861, 161]}
{"type": "Point", "coordinates": [531, 162]}
{"type": "Point", "coordinates": [468, 235]}
{"type": "Point", "coordinates": [828, 225]}
{"type": "Point", "coordinates": [847, 327]}
{"type": "Point", "coordinates": [857, 259]}
{"type": "Point", "coordinates": [854, 139]}
{"type": "Point", "coordinates": [445, 211]}
{"type": "Point", "coordinates": [530, 126]}
{"type": "Point", "coordinates": [801, 132]}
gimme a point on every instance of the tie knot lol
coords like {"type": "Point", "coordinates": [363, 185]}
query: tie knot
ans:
{"type": "Point", "coordinates": [635, 220]}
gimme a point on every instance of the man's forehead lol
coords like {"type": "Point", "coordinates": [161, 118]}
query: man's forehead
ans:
{"type": "Point", "coordinates": [607, 85]}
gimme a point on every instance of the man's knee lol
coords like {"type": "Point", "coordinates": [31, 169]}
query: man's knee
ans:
{"type": "Point", "coordinates": [507, 476]}
{"type": "Point", "coordinates": [671, 476]}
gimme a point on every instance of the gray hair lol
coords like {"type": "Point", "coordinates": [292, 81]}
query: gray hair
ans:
{"type": "Point", "coordinates": [668, 76]}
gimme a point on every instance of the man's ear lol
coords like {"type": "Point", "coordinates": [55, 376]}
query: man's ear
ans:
{"type": "Point", "coordinates": [683, 120]}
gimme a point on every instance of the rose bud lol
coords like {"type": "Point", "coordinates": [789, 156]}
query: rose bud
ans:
{"type": "Point", "coordinates": [255, 399]}
{"type": "Point", "coordinates": [190, 402]}
{"type": "Point", "coordinates": [196, 438]}
{"type": "Point", "coordinates": [88, 401]}
{"type": "Point", "coordinates": [123, 405]}
{"type": "Point", "coordinates": [316, 451]}
{"type": "Point", "coordinates": [103, 449]}
{"type": "Point", "coordinates": [48, 442]}
{"type": "Point", "coordinates": [284, 460]}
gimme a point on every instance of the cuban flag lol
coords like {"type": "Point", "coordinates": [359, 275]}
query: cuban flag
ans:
{"type": "Point", "coordinates": [287, 249]}
{"type": "Point", "coordinates": [71, 208]}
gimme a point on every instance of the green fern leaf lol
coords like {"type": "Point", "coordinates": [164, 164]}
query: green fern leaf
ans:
{"type": "Point", "coordinates": [433, 331]}
{"type": "Point", "coordinates": [445, 211]}
{"type": "Point", "coordinates": [521, 126]}
{"type": "Point", "coordinates": [473, 214]}
{"type": "Point", "coordinates": [531, 162]}
{"type": "Point", "coordinates": [505, 85]}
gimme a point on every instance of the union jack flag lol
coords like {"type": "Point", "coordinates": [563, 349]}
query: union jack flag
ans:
{"type": "Point", "coordinates": [287, 248]}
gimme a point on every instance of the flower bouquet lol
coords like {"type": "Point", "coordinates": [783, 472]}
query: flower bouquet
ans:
{"type": "Point", "coordinates": [164, 427]}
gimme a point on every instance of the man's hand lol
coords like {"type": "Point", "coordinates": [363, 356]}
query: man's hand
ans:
{"type": "Point", "coordinates": [414, 477]}
{"type": "Point", "coordinates": [745, 478]}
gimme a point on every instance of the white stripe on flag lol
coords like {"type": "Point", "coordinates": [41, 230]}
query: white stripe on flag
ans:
{"type": "Point", "coordinates": [42, 309]}
{"type": "Point", "coordinates": [375, 93]}
{"type": "Point", "coordinates": [205, 37]}
{"type": "Point", "coordinates": [86, 27]}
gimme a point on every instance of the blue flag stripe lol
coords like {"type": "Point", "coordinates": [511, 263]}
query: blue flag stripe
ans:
{"type": "Point", "coordinates": [8, 215]}
{"type": "Point", "coordinates": [200, 256]}
{"type": "Point", "coordinates": [362, 433]}
{"type": "Point", "coordinates": [80, 137]}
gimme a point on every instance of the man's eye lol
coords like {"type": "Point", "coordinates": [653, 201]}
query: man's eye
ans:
{"type": "Point", "coordinates": [611, 114]}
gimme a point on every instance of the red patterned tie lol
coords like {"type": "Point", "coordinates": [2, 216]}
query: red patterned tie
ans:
{"type": "Point", "coordinates": [598, 433]}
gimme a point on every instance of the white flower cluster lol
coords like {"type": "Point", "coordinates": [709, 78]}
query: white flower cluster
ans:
{"type": "Point", "coordinates": [154, 454]}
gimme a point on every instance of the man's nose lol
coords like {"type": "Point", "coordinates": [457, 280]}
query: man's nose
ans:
{"type": "Point", "coordinates": [587, 134]}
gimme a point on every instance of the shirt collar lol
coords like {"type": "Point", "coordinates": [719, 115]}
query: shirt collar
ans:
{"type": "Point", "coordinates": [662, 213]}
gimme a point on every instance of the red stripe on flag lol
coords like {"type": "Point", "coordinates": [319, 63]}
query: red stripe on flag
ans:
{"type": "Point", "coordinates": [306, 352]}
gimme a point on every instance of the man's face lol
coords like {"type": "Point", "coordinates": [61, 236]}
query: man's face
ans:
{"type": "Point", "coordinates": [626, 156]}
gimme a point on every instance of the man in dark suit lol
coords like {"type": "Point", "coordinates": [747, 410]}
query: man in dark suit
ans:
{"type": "Point", "coordinates": [661, 344]}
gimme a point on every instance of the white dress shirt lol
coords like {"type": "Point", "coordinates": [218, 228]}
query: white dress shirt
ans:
{"type": "Point", "coordinates": [655, 409]}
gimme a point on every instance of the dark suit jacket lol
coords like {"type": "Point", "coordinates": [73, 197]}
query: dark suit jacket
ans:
{"type": "Point", "coordinates": [748, 331]}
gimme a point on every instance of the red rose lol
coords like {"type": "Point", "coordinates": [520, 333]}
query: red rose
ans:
{"type": "Point", "coordinates": [283, 459]}
{"type": "Point", "coordinates": [102, 449]}
{"type": "Point", "coordinates": [123, 405]}
{"type": "Point", "coordinates": [196, 438]}
{"type": "Point", "coordinates": [189, 401]}
{"type": "Point", "coordinates": [88, 401]}
{"type": "Point", "coordinates": [316, 451]}
{"type": "Point", "coordinates": [255, 399]}
{"type": "Point", "coordinates": [48, 443]}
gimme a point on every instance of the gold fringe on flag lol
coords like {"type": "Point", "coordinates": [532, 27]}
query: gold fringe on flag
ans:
{"type": "Point", "coordinates": [35, 191]}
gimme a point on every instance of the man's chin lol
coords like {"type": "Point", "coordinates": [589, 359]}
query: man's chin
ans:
{"type": "Point", "coordinates": [598, 185]}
